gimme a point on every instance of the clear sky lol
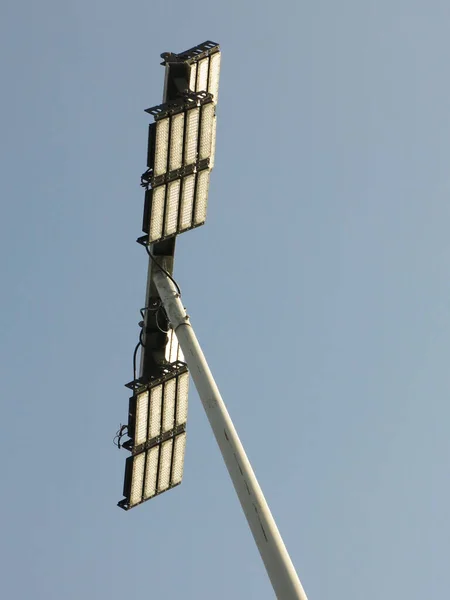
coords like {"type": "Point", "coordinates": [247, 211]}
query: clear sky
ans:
{"type": "Point", "coordinates": [319, 288]}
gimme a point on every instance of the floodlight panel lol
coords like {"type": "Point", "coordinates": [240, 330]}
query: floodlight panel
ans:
{"type": "Point", "coordinates": [156, 410]}
{"type": "Point", "coordinates": [154, 422]}
{"type": "Point", "coordinates": [202, 75]}
{"type": "Point", "coordinates": [141, 418]}
{"type": "Point", "coordinates": [157, 459]}
{"type": "Point", "coordinates": [137, 480]}
{"type": "Point", "coordinates": [187, 202]}
{"type": "Point", "coordinates": [214, 74]}
{"type": "Point", "coordinates": [161, 146]}
{"type": "Point", "coordinates": [178, 458]}
{"type": "Point", "coordinates": [206, 130]}
{"type": "Point", "coordinates": [165, 465]}
{"type": "Point", "coordinates": [173, 201]}
{"type": "Point", "coordinates": [151, 472]}
{"type": "Point", "coordinates": [182, 399]}
{"type": "Point", "coordinates": [213, 143]}
{"type": "Point", "coordinates": [157, 213]}
{"type": "Point", "coordinates": [179, 205]}
{"type": "Point", "coordinates": [201, 197]}
{"type": "Point", "coordinates": [193, 77]}
{"type": "Point", "coordinates": [176, 142]}
{"type": "Point", "coordinates": [191, 142]}
{"type": "Point", "coordinates": [205, 75]}
{"type": "Point", "coordinates": [169, 405]}
{"type": "Point", "coordinates": [183, 148]}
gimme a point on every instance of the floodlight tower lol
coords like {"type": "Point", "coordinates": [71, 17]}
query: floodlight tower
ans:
{"type": "Point", "coordinates": [179, 161]}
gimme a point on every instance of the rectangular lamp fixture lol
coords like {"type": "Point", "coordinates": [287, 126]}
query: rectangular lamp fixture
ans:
{"type": "Point", "coordinates": [153, 471]}
{"type": "Point", "coordinates": [157, 430]}
{"type": "Point", "coordinates": [177, 206]}
{"type": "Point", "coordinates": [158, 409]}
{"type": "Point", "coordinates": [205, 74]}
{"type": "Point", "coordinates": [181, 147]}
{"type": "Point", "coordinates": [180, 159]}
{"type": "Point", "coordinates": [180, 139]}
{"type": "Point", "coordinates": [204, 64]}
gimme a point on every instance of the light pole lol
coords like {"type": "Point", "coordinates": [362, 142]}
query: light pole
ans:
{"type": "Point", "coordinates": [158, 407]}
{"type": "Point", "coordinates": [280, 569]}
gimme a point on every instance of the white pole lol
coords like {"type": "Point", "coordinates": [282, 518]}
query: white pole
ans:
{"type": "Point", "coordinates": [280, 569]}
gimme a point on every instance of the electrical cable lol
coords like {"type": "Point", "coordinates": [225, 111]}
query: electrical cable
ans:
{"type": "Point", "coordinates": [163, 270]}
{"type": "Point", "coordinates": [119, 435]}
{"type": "Point", "coordinates": [135, 356]}
{"type": "Point", "coordinates": [141, 340]}
{"type": "Point", "coordinates": [157, 323]}
{"type": "Point", "coordinates": [152, 309]}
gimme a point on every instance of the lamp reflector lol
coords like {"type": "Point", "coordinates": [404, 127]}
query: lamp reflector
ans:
{"type": "Point", "coordinates": [151, 472]}
{"type": "Point", "coordinates": [190, 147]}
{"type": "Point", "coordinates": [169, 405]}
{"type": "Point", "coordinates": [157, 213]}
{"type": "Point", "coordinates": [178, 458]}
{"type": "Point", "coordinates": [165, 464]}
{"type": "Point", "coordinates": [182, 398]}
{"type": "Point", "coordinates": [187, 202]}
{"type": "Point", "coordinates": [137, 481]}
{"type": "Point", "coordinates": [213, 143]}
{"type": "Point", "coordinates": [141, 418]}
{"type": "Point", "coordinates": [201, 198]}
{"type": "Point", "coordinates": [206, 130]}
{"type": "Point", "coordinates": [214, 73]}
{"type": "Point", "coordinates": [193, 77]}
{"type": "Point", "coordinates": [161, 146]}
{"type": "Point", "coordinates": [154, 423]}
{"type": "Point", "coordinates": [176, 142]}
{"type": "Point", "coordinates": [202, 75]}
{"type": "Point", "coordinates": [173, 201]}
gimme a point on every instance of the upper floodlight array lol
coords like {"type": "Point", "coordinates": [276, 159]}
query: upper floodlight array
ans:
{"type": "Point", "coordinates": [181, 148]}
{"type": "Point", "coordinates": [203, 63]}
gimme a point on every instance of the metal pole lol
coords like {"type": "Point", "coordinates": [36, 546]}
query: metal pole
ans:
{"type": "Point", "coordinates": [280, 569]}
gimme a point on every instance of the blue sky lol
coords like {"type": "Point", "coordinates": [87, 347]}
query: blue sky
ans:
{"type": "Point", "coordinates": [319, 290]}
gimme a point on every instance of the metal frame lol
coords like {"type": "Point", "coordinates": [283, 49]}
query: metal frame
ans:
{"type": "Point", "coordinates": [167, 371]}
{"type": "Point", "coordinates": [192, 55]}
{"type": "Point", "coordinates": [152, 183]}
{"type": "Point", "coordinates": [188, 100]}
{"type": "Point", "coordinates": [279, 567]}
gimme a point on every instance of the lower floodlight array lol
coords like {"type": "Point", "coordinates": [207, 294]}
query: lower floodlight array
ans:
{"type": "Point", "coordinates": [157, 431]}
